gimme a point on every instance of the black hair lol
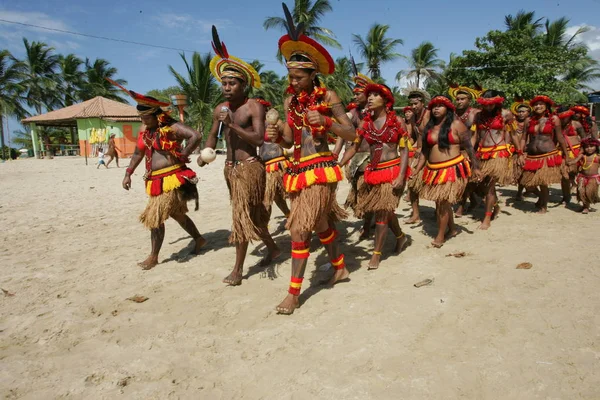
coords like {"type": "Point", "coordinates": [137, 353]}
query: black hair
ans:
{"type": "Point", "coordinates": [562, 109]}
{"type": "Point", "coordinates": [417, 95]}
{"type": "Point", "coordinates": [443, 140]}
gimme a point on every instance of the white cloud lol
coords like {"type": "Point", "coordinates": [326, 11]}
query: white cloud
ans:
{"type": "Point", "coordinates": [591, 38]}
{"type": "Point", "coordinates": [12, 34]}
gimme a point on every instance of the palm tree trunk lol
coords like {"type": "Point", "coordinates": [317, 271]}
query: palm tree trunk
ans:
{"type": "Point", "coordinates": [2, 137]}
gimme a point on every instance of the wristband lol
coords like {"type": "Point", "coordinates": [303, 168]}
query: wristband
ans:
{"type": "Point", "coordinates": [129, 171]}
{"type": "Point", "coordinates": [335, 155]}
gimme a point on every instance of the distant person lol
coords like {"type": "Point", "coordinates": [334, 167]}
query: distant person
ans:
{"type": "Point", "coordinates": [112, 151]}
{"type": "Point", "coordinates": [101, 158]}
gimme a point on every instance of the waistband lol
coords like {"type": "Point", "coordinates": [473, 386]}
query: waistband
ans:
{"type": "Point", "coordinates": [489, 149]}
{"type": "Point", "coordinates": [389, 163]}
{"type": "Point", "coordinates": [549, 154]}
{"type": "Point", "coordinates": [247, 160]}
{"type": "Point", "coordinates": [275, 160]}
{"type": "Point", "coordinates": [446, 164]}
{"type": "Point", "coordinates": [165, 171]}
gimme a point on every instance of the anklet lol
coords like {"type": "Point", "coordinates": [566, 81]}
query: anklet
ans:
{"type": "Point", "coordinates": [378, 253]}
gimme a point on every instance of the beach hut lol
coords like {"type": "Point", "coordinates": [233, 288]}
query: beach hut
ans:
{"type": "Point", "coordinates": [92, 122]}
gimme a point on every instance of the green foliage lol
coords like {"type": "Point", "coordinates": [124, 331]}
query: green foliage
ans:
{"type": "Point", "coordinates": [376, 49]}
{"type": "Point", "coordinates": [518, 64]}
{"type": "Point", "coordinates": [423, 64]}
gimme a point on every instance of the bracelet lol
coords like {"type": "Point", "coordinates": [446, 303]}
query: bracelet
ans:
{"type": "Point", "coordinates": [519, 152]}
{"type": "Point", "coordinates": [328, 123]}
{"type": "Point", "coordinates": [335, 155]}
{"type": "Point", "coordinates": [129, 171]}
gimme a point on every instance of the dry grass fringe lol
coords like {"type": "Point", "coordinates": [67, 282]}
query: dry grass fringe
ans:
{"type": "Point", "coordinates": [309, 205]}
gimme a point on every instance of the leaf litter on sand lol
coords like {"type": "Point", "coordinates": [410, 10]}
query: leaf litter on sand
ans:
{"type": "Point", "coordinates": [138, 298]}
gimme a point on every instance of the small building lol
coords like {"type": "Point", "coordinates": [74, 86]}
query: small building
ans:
{"type": "Point", "coordinates": [93, 121]}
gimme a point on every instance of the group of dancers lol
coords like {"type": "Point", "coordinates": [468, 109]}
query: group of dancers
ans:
{"type": "Point", "coordinates": [440, 150]}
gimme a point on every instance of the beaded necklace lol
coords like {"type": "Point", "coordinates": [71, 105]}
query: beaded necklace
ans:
{"type": "Point", "coordinates": [385, 134]}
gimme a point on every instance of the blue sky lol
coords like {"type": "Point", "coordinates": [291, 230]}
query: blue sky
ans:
{"type": "Point", "coordinates": [450, 26]}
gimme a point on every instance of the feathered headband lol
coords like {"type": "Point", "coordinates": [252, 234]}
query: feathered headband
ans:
{"type": "Point", "coordinates": [441, 100]}
{"type": "Point", "coordinates": [361, 81]}
{"type": "Point", "coordinates": [490, 101]}
{"type": "Point", "coordinates": [417, 92]}
{"type": "Point", "coordinates": [224, 65]}
{"type": "Point", "coordinates": [297, 43]}
{"type": "Point", "coordinates": [407, 108]}
{"type": "Point", "coordinates": [383, 91]}
{"type": "Point", "coordinates": [566, 114]}
{"type": "Point", "coordinates": [543, 99]}
{"type": "Point", "coordinates": [146, 105]}
{"type": "Point", "coordinates": [518, 103]}
{"type": "Point", "coordinates": [590, 141]}
{"type": "Point", "coordinates": [581, 109]}
{"type": "Point", "coordinates": [455, 90]}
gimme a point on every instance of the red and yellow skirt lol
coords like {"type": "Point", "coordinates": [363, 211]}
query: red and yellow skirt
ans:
{"type": "Point", "coordinates": [170, 189]}
{"type": "Point", "coordinates": [318, 168]}
{"type": "Point", "coordinates": [496, 162]}
{"type": "Point", "coordinates": [275, 169]}
{"type": "Point", "coordinates": [377, 194]}
{"type": "Point", "coordinates": [542, 169]}
{"type": "Point", "coordinates": [445, 181]}
{"type": "Point", "coordinates": [168, 179]}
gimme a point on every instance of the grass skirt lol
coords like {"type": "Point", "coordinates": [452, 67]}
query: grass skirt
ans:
{"type": "Point", "coordinates": [161, 207]}
{"type": "Point", "coordinates": [274, 187]}
{"type": "Point", "coordinates": [497, 163]}
{"type": "Point", "coordinates": [445, 181]}
{"type": "Point", "coordinates": [544, 169]}
{"type": "Point", "coordinates": [587, 189]}
{"type": "Point", "coordinates": [374, 198]}
{"type": "Point", "coordinates": [310, 204]}
{"type": "Point", "coordinates": [246, 183]}
{"type": "Point", "coordinates": [353, 195]}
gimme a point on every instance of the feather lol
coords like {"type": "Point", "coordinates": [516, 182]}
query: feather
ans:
{"type": "Point", "coordinates": [119, 86]}
{"type": "Point", "coordinates": [477, 86]}
{"type": "Point", "coordinates": [353, 64]}
{"type": "Point", "coordinates": [217, 45]}
{"type": "Point", "coordinates": [291, 28]}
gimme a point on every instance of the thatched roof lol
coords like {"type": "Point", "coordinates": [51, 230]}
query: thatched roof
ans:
{"type": "Point", "coordinates": [98, 107]}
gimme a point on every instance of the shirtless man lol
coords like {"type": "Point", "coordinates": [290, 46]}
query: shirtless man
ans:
{"type": "Point", "coordinates": [242, 121]}
{"type": "Point", "coordinates": [463, 97]}
{"type": "Point", "coordinates": [112, 151]}
{"type": "Point", "coordinates": [417, 99]}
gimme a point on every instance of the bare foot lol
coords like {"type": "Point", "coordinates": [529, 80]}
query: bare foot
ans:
{"type": "Point", "coordinates": [234, 278]}
{"type": "Point", "coordinates": [459, 211]}
{"type": "Point", "coordinates": [519, 197]}
{"type": "Point", "coordinates": [374, 262]}
{"type": "Point", "coordinates": [338, 276]}
{"type": "Point", "coordinates": [484, 225]}
{"type": "Point", "coordinates": [288, 305]}
{"type": "Point", "coordinates": [585, 210]}
{"type": "Point", "coordinates": [273, 255]}
{"type": "Point", "coordinates": [437, 244]}
{"type": "Point", "coordinates": [451, 233]}
{"type": "Point", "coordinates": [200, 243]}
{"type": "Point", "coordinates": [401, 243]}
{"type": "Point", "coordinates": [149, 263]}
{"type": "Point", "coordinates": [542, 210]}
{"type": "Point", "coordinates": [412, 220]}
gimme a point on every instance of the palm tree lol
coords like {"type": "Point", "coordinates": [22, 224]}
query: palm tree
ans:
{"type": "Point", "coordinates": [11, 73]}
{"type": "Point", "coordinates": [556, 33]}
{"type": "Point", "coordinates": [201, 88]}
{"type": "Point", "coordinates": [96, 84]}
{"type": "Point", "coordinates": [376, 48]}
{"type": "Point", "coordinates": [341, 79]}
{"type": "Point", "coordinates": [523, 21]}
{"type": "Point", "coordinates": [71, 76]}
{"type": "Point", "coordinates": [423, 63]}
{"type": "Point", "coordinates": [581, 73]}
{"type": "Point", "coordinates": [39, 70]}
{"type": "Point", "coordinates": [310, 14]}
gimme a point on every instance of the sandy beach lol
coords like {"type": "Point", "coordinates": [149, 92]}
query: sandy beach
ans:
{"type": "Point", "coordinates": [70, 240]}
